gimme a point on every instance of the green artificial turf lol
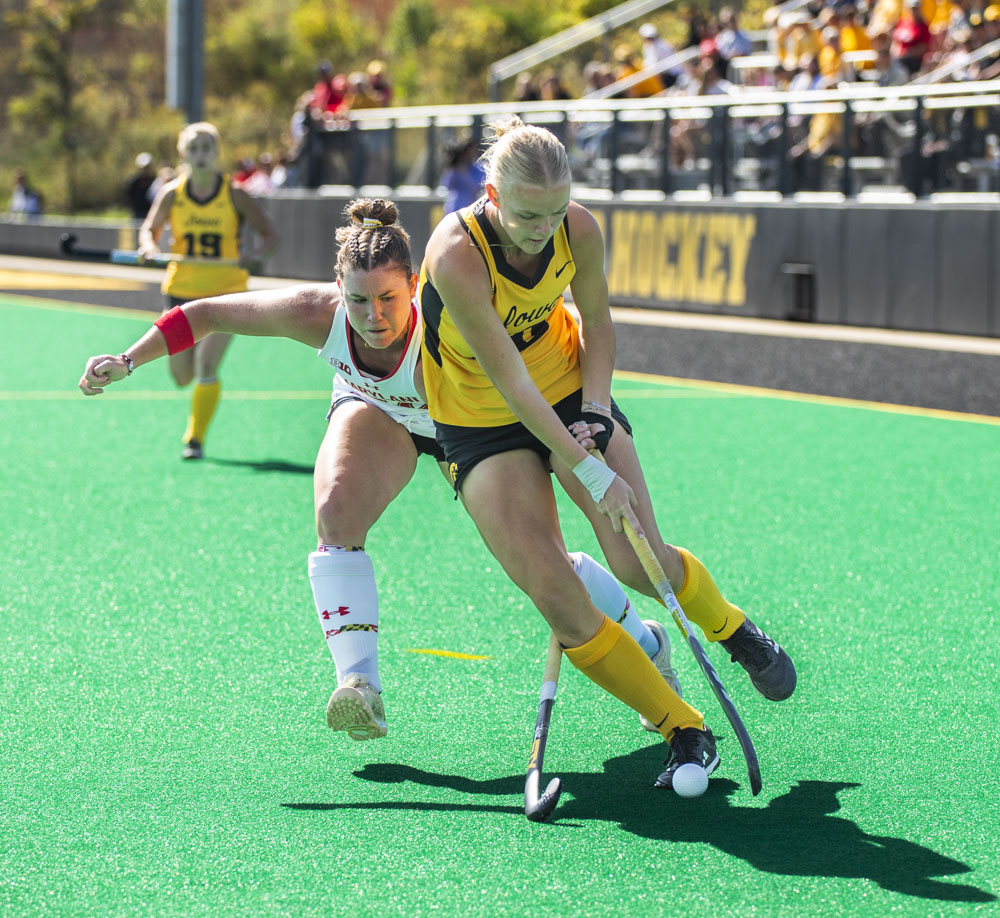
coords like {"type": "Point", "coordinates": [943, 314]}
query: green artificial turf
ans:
{"type": "Point", "coordinates": [162, 738]}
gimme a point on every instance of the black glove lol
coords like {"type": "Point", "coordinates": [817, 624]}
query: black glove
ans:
{"type": "Point", "coordinates": [603, 438]}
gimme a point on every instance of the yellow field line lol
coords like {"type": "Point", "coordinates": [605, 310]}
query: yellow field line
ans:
{"type": "Point", "coordinates": [448, 653]}
{"type": "Point", "coordinates": [705, 387]}
{"type": "Point", "coordinates": [734, 389]}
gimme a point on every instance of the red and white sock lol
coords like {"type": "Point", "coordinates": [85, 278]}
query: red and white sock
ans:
{"type": "Point", "coordinates": [343, 585]}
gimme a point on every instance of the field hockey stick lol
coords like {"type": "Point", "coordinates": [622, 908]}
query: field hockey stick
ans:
{"type": "Point", "coordinates": [654, 571]}
{"type": "Point", "coordinates": [68, 246]}
{"type": "Point", "coordinates": [536, 808]}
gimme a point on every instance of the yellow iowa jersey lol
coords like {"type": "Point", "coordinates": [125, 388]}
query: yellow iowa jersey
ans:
{"type": "Point", "coordinates": [204, 230]}
{"type": "Point", "coordinates": [458, 390]}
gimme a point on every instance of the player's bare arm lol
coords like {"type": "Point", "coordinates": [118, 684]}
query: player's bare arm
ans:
{"type": "Point", "coordinates": [156, 219]}
{"type": "Point", "coordinates": [303, 314]}
{"type": "Point", "coordinates": [590, 295]}
{"type": "Point", "coordinates": [258, 218]}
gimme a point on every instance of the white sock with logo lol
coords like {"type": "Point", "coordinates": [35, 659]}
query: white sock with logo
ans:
{"type": "Point", "coordinates": [607, 594]}
{"type": "Point", "coordinates": [343, 585]}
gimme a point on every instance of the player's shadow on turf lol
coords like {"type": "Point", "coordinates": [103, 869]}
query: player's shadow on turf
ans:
{"type": "Point", "coordinates": [265, 465]}
{"type": "Point", "coordinates": [796, 834]}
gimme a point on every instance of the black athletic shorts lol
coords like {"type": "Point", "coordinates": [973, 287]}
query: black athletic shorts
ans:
{"type": "Point", "coordinates": [465, 447]}
{"type": "Point", "coordinates": [425, 445]}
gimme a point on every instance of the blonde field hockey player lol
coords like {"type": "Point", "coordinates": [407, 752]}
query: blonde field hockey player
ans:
{"type": "Point", "coordinates": [205, 213]}
{"type": "Point", "coordinates": [516, 386]}
{"type": "Point", "coordinates": [366, 326]}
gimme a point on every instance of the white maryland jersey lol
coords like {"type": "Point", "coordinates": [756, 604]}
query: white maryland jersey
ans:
{"type": "Point", "coordinates": [394, 393]}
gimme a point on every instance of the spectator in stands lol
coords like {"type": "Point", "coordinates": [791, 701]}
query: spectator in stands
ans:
{"type": "Point", "coordinates": [888, 70]}
{"type": "Point", "coordinates": [713, 83]}
{"type": "Point", "coordinates": [243, 169]}
{"type": "Point", "coordinates": [596, 75]}
{"type": "Point", "coordinates": [807, 76]}
{"type": "Point", "coordinates": [24, 198]}
{"type": "Point", "coordinates": [463, 174]}
{"type": "Point", "coordinates": [378, 83]}
{"type": "Point", "coordinates": [690, 136]}
{"type": "Point", "coordinates": [956, 56]}
{"type": "Point", "coordinates": [655, 50]}
{"type": "Point", "coordinates": [781, 77]}
{"type": "Point", "coordinates": [808, 155]}
{"type": "Point", "coordinates": [731, 41]}
{"type": "Point", "coordinates": [801, 41]}
{"type": "Point", "coordinates": [329, 91]}
{"type": "Point", "coordinates": [989, 68]}
{"type": "Point", "coordinates": [696, 26]}
{"type": "Point", "coordinates": [137, 187]}
{"type": "Point", "coordinates": [628, 63]}
{"type": "Point", "coordinates": [551, 87]}
{"type": "Point", "coordinates": [884, 16]}
{"type": "Point", "coordinates": [939, 18]}
{"type": "Point", "coordinates": [853, 37]}
{"type": "Point", "coordinates": [950, 15]}
{"type": "Point", "coordinates": [885, 134]}
{"type": "Point", "coordinates": [778, 27]}
{"type": "Point", "coordinates": [283, 173]}
{"type": "Point", "coordinates": [525, 89]}
{"type": "Point", "coordinates": [911, 39]}
{"type": "Point", "coordinates": [831, 67]}
{"type": "Point", "coordinates": [707, 47]}
{"type": "Point", "coordinates": [359, 93]}
{"type": "Point", "coordinates": [259, 183]}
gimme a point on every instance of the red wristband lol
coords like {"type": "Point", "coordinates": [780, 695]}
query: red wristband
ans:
{"type": "Point", "coordinates": [176, 329]}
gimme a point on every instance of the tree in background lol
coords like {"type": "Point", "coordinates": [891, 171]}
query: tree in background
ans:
{"type": "Point", "coordinates": [48, 29]}
{"type": "Point", "coordinates": [88, 94]}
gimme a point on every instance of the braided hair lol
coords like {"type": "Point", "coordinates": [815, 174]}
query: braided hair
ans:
{"type": "Point", "coordinates": [373, 238]}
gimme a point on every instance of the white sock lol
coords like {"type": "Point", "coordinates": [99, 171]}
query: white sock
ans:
{"type": "Point", "coordinates": [607, 594]}
{"type": "Point", "coordinates": [343, 585]}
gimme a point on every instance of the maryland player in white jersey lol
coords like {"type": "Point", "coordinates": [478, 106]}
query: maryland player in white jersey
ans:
{"type": "Point", "coordinates": [366, 326]}
{"type": "Point", "coordinates": [516, 388]}
{"type": "Point", "coordinates": [205, 213]}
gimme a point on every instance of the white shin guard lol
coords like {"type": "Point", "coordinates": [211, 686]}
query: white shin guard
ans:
{"type": "Point", "coordinates": [343, 585]}
{"type": "Point", "coordinates": [607, 594]}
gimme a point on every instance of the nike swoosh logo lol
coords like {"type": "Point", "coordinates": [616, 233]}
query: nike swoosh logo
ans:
{"type": "Point", "coordinates": [723, 628]}
{"type": "Point", "coordinates": [564, 267]}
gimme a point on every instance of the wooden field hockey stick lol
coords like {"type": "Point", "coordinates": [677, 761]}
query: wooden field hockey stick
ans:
{"type": "Point", "coordinates": [536, 808]}
{"type": "Point", "coordinates": [68, 246]}
{"type": "Point", "coordinates": [654, 571]}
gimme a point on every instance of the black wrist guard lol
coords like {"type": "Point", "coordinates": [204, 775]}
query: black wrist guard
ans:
{"type": "Point", "coordinates": [603, 438]}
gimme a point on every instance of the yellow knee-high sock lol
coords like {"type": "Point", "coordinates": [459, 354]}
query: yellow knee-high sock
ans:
{"type": "Point", "coordinates": [613, 660]}
{"type": "Point", "coordinates": [204, 401]}
{"type": "Point", "coordinates": [703, 604]}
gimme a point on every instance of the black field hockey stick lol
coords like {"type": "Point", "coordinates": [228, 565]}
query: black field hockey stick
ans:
{"type": "Point", "coordinates": [68, 246]}
{"type": "Point", "coordinates": [661, 584]}
{"type": "Point", "coordinates": [536, 808]}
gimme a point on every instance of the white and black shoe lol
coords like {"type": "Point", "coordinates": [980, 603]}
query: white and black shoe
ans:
{"type": "Point", "coordinates": [663, 666]}
{"type": "Point", "coordinates": [770, 669]}
{"type": "Point", "coordinates": [192, 450]}
{"type": "Point", "coordinates": [690, 748]}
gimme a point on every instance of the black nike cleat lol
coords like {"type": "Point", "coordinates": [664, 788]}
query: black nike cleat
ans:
{"type": "Point", "coordinates": [770, 669]}
{"type": "Point", "coordinates": [689, 748]}
{"type": "Point", "coordinates": [192, 450]}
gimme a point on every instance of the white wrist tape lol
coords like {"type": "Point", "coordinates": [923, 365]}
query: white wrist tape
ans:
{"type": "Point", "coordinates": [595, 476]}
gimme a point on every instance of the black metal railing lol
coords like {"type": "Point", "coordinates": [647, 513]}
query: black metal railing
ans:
{"type": "Point", "coordinates": [857, 139]}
